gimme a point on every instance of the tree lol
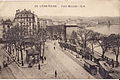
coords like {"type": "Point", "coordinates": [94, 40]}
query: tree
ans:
{"type": "Point", "coordinates": [84, 35]}
{"type": "Point", "coordinates": [103, 43]}
{"type": "Point", "coordinates": [93, 40]}
{"type": "Point", "coordinates": [73, 37]}
{"type": "Point", "coordinates": [114, 40]}
{"type": "Point", "coordinates": [15, 36]}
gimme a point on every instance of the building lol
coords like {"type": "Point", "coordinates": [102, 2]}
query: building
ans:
{"type": "Point", "coordinates": [42, 23]}
{"type": "Point", "coordinates": [7, 24]}
{"type": "Point", "coordinates": [55, 31]}
{"type": "Point", "coordinates": [49, 22]}
{"type": "Point", "coordinates": [27, 20]}
{"type": "Point", "coordinates": [25, 31]}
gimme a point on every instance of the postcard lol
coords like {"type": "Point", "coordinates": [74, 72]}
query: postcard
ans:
{"type": "Point", "coordinates": [60, 39]}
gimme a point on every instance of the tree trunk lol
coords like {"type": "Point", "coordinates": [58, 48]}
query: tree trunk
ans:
{"type": "Point", "coordinates": [85, 45]}
{"type": "Point", "coordinates": [17, 55]}
{"type": "Point", "coordinates": [117, 55]}
{"type": "Point", "coordinates": [43, 49]}
{"type": "Point", "coordinates": [22, 58]}
{"type": "Point", "coordinates": [103, 54]}
{"type": "Point", "coordinates": [92, 48]}
{"type": "Point", "coordinates": [40, 51]}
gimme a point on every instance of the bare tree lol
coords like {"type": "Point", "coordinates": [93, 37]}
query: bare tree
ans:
{"type": "Point", "coordinates": [103, 43]}
{"type": "Point", "coordinates": [73, 37]}
{"type": "Point", "coordinates": [84, 35]}
{"type": "Point", "coordinates": [114, 41]}
{"type": "Point", "coordinates": [93, 40]}
{"type": "Point", "coordinates": [15, 36]}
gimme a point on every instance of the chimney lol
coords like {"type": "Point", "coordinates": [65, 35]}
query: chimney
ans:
{"type": "Point", "coordinates": [29, 10]}
{"type": "Point", "coordinates": [17, 11]}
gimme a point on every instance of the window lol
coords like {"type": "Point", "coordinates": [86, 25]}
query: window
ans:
{"type": "Point", "coordinates": [21, 24]}
{"type": "Point", "coordinates": [29, 19]}
{"type": "Point", "coordinates": [30, 23]}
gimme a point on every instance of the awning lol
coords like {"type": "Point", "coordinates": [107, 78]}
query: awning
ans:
{"type": "Point", "coordinates": [32, 52]}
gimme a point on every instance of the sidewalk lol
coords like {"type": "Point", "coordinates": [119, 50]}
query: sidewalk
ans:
{"type": "Point", "coordinates": [14, 68]}
{"type": "Point", "coordinates": [16, 71]}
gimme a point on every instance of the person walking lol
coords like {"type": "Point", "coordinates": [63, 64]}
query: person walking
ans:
{"type": "Point", "coordinates": [0, 67]}
{"type": "Point", "coordinates": [54, 47]}
{"type": "Point", "coordinates": [55, 73]}
{"type": "Point", "coordinates": [39, 66]}
{"type": "Point", "coordinates": [44, 58]}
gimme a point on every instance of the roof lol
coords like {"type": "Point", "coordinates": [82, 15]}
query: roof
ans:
{"type": "Point", "coordinates": [97, 55]}
{"type": "Point", "coordinates": [71, 26]}
{"type": "Point", "coordinates": [32, 52]}
{"type": "Point", "coordinates": [90, 62]}
{"type": "Point", "coordinates": [25, 11]}
{"type": "Point", "coordinates": [8, 22]}
{"type": "Point", "coordinates": [105, 65]}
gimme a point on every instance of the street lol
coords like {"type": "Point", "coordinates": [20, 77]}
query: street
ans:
{"type": "Point", "coordinates": [70, 64]}
{"type": "Point", "coordinates": [56, 60]}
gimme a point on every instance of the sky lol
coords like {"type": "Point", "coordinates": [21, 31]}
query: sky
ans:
{"type": "Point", "coordinates": [92, 8]}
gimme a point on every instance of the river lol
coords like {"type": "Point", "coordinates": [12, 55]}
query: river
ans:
{"type": "Point", "coordinates": [104, 29]}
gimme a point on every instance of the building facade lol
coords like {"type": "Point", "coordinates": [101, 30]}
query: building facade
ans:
{"type": "Point", "coordinates": [42, 23]}
{"type": "Point", "coordinates": [27, 20]}
{"type": "Point", "coordinates": [7, 24]}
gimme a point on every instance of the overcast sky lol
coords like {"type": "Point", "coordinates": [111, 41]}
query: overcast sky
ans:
{"type": "Point", "coordinates": [92, 8]}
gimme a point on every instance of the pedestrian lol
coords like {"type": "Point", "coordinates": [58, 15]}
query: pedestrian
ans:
{"type": "Point", "coordinates": [39, 66]}
{"type": "Point", "coordinates": [82, 56]}
{"type": "Point", "coordinates": [55, 73]}
{"type": "Point", "coordinates": [45, 58]}
{"type": "Point", "coordinates": [112, 63]}
{"type": "Point", "coordinates": [0, 67]}
{"type": "Point", "coordinates": [5, 64]}
{"type": "Point", "coordinates": [54, 47]}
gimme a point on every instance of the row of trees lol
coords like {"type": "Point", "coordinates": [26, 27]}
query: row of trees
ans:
{"type": "Point", "coordinates": [15, 41]}
{"type": "Point", "coordinates": [87, 37]}
{"type": "Point", "coordinates": [15, 36]}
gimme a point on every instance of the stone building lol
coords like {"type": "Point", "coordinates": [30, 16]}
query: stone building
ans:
{"type": "Point", "coordinates": [27, 20]}
{"type": "Point", "coordinates": [42, 23]}
{"type": "Point", "coordinates": [7, 24]}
